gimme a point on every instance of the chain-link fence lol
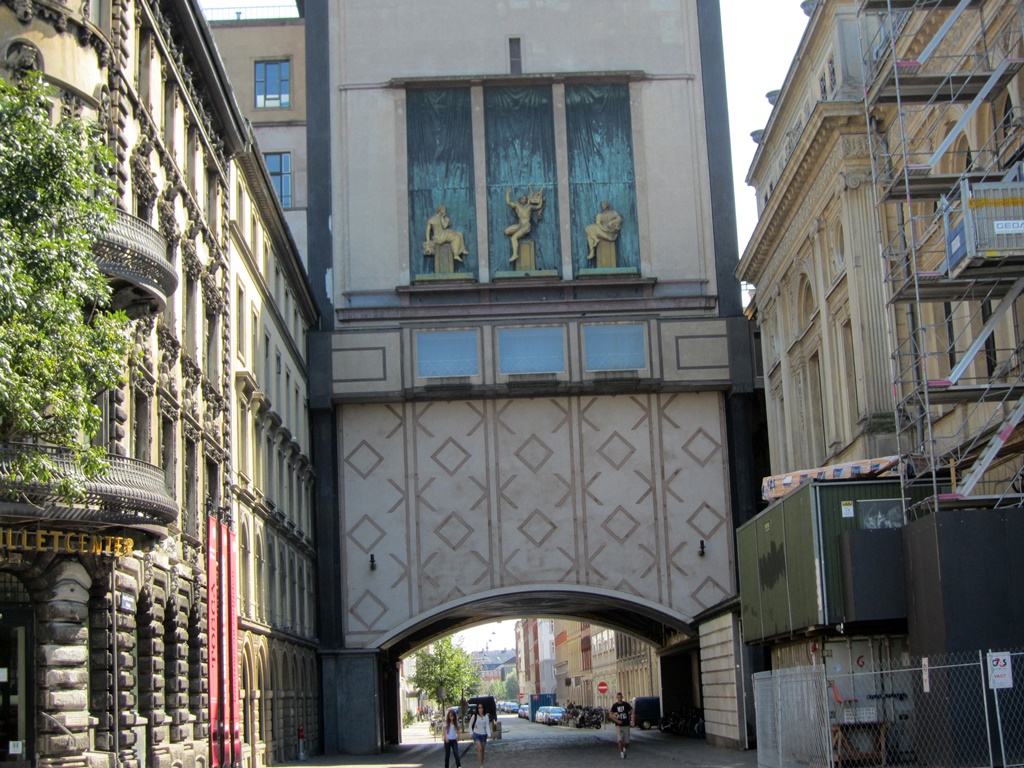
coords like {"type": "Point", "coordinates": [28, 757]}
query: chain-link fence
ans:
{"type": "Point", "coordinates": [957, 711]}
{"type": "Point", "coordinates": [1009, 706]}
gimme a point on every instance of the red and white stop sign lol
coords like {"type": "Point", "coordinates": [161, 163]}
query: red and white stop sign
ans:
{"type": "Point", "coordinates": [602, 687]}
{"type": "Point", "coordinates": [521, 695]}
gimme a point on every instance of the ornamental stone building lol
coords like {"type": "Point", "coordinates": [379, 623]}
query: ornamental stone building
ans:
{"type": "Point", "coordinates": [536, 379]}
{"type": "Point", "coordinates": [170, 618]}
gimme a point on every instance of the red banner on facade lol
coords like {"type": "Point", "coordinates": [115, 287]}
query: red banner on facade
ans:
{"type": "Point", "coordinates": [235, 675]}
{"type": "Point", "coordinates": [213, 636]}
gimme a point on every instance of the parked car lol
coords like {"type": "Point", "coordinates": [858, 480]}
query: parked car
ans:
{"type": "Point", "coordinates": [524, 711]}
{"type": "Point", "coordinates": [646, 711]}
{"type": "Point", "coordinates": [555, 716]}
{"type": "Point", "coordinates": [542, 715]}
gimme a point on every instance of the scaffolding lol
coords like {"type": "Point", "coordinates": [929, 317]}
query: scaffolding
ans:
{"type": "Point", "coordinates": [947, 145]}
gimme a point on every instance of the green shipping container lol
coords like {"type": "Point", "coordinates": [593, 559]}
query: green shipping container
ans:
{"type": "Point", "coordinates": [790, 574]}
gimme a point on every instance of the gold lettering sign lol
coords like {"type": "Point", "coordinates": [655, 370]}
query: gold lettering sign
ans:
{"type": "Point", "coordinates": [64, 542]}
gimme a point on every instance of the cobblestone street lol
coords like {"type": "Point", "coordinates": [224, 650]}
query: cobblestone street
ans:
{"type": "Point", "coordinates": [530, 744]}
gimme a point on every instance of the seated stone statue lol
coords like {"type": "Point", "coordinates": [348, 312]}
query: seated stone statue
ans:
{"type": "Point", "coordinates": [606, 226]}
{"type": "Point", "coordinates": [439, 232]}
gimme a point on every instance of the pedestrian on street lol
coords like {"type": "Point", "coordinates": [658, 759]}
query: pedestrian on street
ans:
{"type": "Point", "coordinates": [620, 712]}
{"type": "Point", "coordinates": [451, 738]}
{"type": "Point", "coordinates": [480, 727]}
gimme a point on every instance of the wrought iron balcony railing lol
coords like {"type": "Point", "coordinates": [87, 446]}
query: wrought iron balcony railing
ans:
{"type": "Point", "coordinates": [130, 493]}
{"type": "Point", "coordinates": [134, 255]}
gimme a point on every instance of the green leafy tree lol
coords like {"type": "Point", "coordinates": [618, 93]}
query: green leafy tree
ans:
{"type": "Point", "coordinates": [59, 345]}
{"type": "Point", "coordinates": [496, 688]}
{"type": "Point", "coordinates": [445, 673]}
{"type": "Point", "coordinates": [511, 686]}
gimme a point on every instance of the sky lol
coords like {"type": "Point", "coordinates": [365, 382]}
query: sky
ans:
{"type": "Point", "coordinates": [760, 37]}
{"type": "Point", "coordinates": [496, 636]}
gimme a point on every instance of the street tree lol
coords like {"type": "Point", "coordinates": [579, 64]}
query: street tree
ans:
{"type": "Point", "coordinates": [445, 673]}
{"type": "Point", "coordinates": [60, 346]}
{"type": "Point", "coordinates": [511, 683]}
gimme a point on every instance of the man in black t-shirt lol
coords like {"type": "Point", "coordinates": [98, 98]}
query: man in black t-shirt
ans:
{"type": "Point", "coordinates": [620, 713]}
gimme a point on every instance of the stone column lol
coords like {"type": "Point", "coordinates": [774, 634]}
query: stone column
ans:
{"type": "Point", "coordinates": [199, 658]}
{"type": "Point", "coordinates": [176, 659]}
{"type": "Point", "coordinates": [152, 664]}
{"type": "Point", "coordinates": [62, 655]}
{"type": "Point", "coordinates": [106, 667]}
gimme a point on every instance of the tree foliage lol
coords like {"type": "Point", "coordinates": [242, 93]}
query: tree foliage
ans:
{"type": "Point", "coordinates": [511, 683]}
{"type": "Point", "coordinates": [445, 673]}
{"type": "Point", "coordinates": [59, 346]}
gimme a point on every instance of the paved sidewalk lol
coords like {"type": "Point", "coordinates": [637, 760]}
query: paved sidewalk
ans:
{"type": "Point", "coordinates": [527, 745]}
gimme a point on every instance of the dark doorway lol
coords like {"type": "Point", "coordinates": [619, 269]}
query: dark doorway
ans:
{"type": "Point", "coordinates": [16, 673]}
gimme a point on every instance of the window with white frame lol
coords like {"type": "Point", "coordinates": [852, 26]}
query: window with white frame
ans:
{"type": "Point", "coordinates": [446, 353]}
{"type": "Point", "coordinates": [615, 347]}
{"type": "Point", "coordinates": [273, 84]}
{"type": "Point", "coordinates": [531, 350]}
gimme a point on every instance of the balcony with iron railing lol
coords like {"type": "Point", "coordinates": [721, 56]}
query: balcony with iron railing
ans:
{"type": "Point", "coordinates": [134, 256]}
{"type": "Point", "coordinates": [130, 492]}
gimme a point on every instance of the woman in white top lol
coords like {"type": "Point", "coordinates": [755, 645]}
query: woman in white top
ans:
{"type": "Point", "coordinates": [451, 738]}
{"type": "Point", "coordinates": [480, 726]}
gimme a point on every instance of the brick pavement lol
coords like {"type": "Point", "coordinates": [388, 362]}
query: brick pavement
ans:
{"type": "Point", "coordinates": [529, 744]}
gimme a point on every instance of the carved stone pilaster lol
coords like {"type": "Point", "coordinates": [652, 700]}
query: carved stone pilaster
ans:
{"type": "Point", "coordinates": [142, 178]}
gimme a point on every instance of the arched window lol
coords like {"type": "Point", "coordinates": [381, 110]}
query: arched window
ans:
{"type": "Point", "coordinates": [271, 584]}
{"type": "Point", "coordinates": [805, 303]}
{"type": "Point", "coordinates": [246, 575]}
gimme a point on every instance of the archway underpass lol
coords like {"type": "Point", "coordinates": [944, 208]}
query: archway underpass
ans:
{"type": "Point", "coordinates": [616, 510]}
{"type": "Point", "coordinates": [675, 673]}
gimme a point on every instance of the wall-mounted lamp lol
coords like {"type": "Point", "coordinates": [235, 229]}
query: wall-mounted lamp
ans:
{"type": "Point", "coordinates": [699, 551]}
{"type": "Point", "coordinates": [373, 562]}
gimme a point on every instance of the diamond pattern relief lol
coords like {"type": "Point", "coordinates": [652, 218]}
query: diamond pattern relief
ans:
{"type": "Point", "coordinates": [701, 447]}
{"type": "Point", "coordinates": [368, 609]}
{"type": "Point", "coordinates": [364, 459]}
{"type": "Point", "coordinates": [620, 524]}
{"type": "Point", "coordinates": [453, 531]}
{"type": "Point", "coordinates": [537, 528]}
{"type": "Point", "coordinates": [366, 534]}
{"type": "Point", "coordinates": [616, 450]}
{"type": "Point", "coordinates": [706, 520]}
{"type": "Point", "coordinates": [450, 456]}
{"type": "Point", "coordinates": [534, 453]}
{"type": "Point", "coordinates": [709, 592]}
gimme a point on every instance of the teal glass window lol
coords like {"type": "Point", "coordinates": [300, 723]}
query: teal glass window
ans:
{"type": "Point", "coordinates": [447, 353]}
{"type": "Point", "coordinates": [600, 144]}
{"type": "Point", "coordinates": [439, 127]}
{"type": "Point", "coordinates": [531, 350]}
{"type": "Point", "coordinates": [615, 347]}
{"type": "Point", "coordinates": [519, 127]}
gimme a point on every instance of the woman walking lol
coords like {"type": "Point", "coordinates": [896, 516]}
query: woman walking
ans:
{"type": "Point", "coordinates": [451, 738]}
{"type": "Point", "coordinates": [480, 727]}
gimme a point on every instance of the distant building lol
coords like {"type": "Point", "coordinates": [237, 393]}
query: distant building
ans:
{"type": "Point", "coordinates": [493, 665]}
{"type": "Point", "coordinates": [535, 652]}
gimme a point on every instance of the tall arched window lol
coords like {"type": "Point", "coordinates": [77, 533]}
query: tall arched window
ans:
{"type": "Point", "coordinates": [271, 584]}
{"type": "Point", "coordinates": [246, 575]}
{"type": "Point", "coordinates": [805, 304]}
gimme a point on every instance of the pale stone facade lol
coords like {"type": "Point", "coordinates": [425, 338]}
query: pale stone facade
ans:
{"type": "Point", "coordinates": [820, 301]}
{"type": "Point", "coordinates": [280, 130]}
{"type": "Point", "coordinates": [473, 482]}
